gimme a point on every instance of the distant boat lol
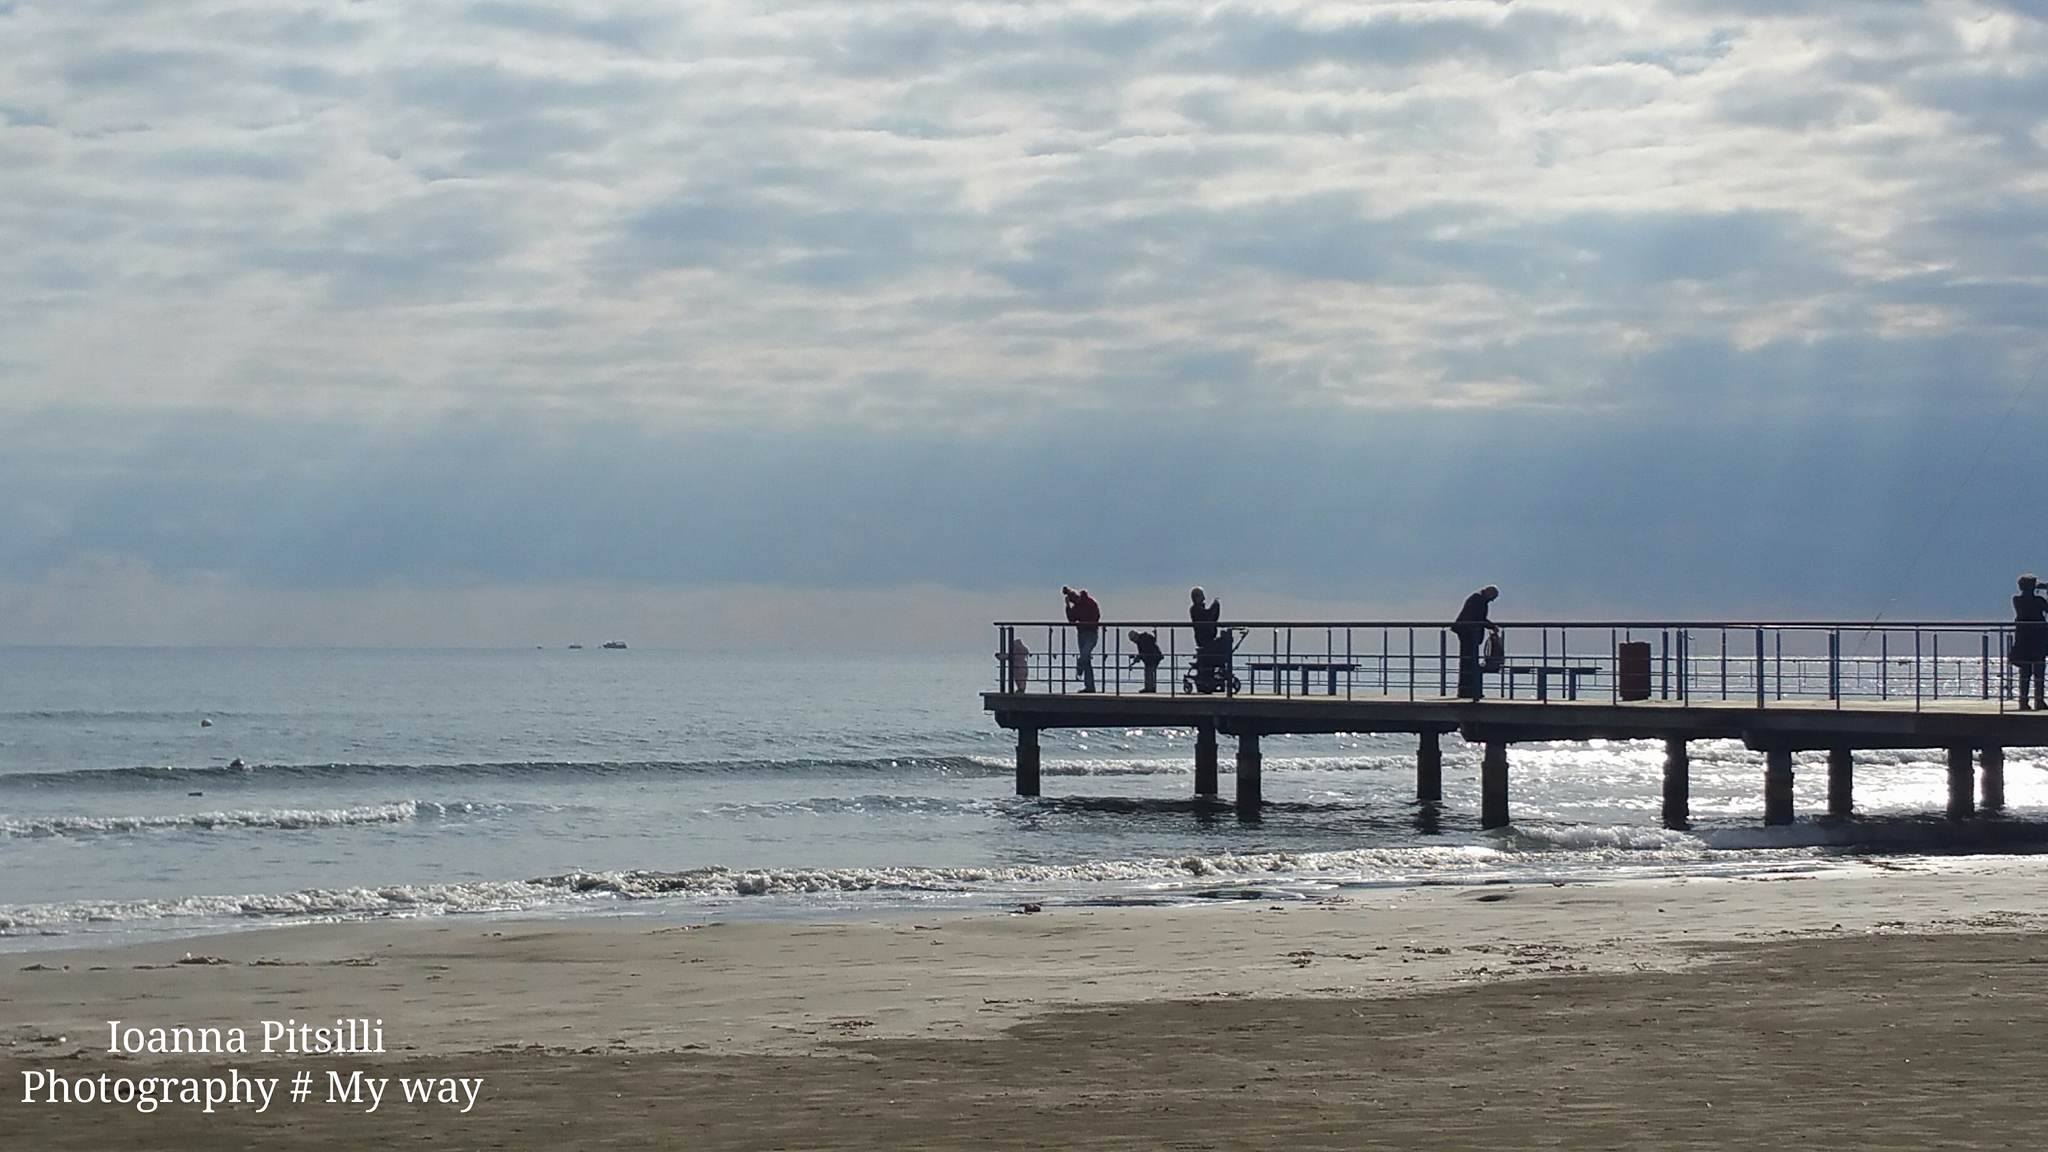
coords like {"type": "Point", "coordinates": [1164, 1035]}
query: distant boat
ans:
{"type": "Point", "coordinates": [575, 645]}
{"type": "Point", "coordinates": [615, 644]}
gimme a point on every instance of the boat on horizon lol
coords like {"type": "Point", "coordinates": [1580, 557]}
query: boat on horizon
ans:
{"type": "Point", "coordinates": [615, 643]}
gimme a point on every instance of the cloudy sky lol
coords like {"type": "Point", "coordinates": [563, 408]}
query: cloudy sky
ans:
{"type": "Point", "coordinates": [499, 321]}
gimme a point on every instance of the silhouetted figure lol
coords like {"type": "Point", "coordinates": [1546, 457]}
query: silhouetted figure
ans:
{"type": "Point", "coordinates": [1204, 613]}
{"type": "Point", "coordinates": [2030, 640]}
{"type": "Point", "coordinates": [1086, 617]}
{"type": "Point", "coordinates": [1472, 627]}
{"type": "Point", "coordinates": [1214, 647]}
{"type": "Point", "coordinates": [1149, 655]}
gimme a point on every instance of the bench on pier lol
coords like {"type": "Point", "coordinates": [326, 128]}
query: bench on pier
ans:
{"type": "Point", "coordinates": [1276, 667]}
{"type": "Point", "coordinates": [1569, 673]}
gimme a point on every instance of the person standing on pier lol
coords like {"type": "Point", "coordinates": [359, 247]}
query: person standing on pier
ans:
{"type": "Point", "coordinates": [1204, 613]}
{"type": "Point", "coordinates": [1086, 617]}
{"type": "Point", "coordinates": [1471, 627]}
{"type": "Point", "coordinates": [2030, 641]}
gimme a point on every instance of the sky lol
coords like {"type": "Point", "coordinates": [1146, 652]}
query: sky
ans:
{"type": "Point", "coordinates": [859, 325]}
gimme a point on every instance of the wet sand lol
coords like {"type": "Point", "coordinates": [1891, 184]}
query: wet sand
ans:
{"type": "Point", "coordinates": [1712, 1014]}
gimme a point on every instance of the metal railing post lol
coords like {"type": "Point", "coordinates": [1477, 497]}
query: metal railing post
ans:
{"type": "Point", "coordinates": [1664, 664]}
{"type": "Point", "coordinates": [1833, 665]}
{"type": "Point", "coordinates": [1443, 663]}
{"type": "Point", "coordinates": [1778, 659]}
{"type": "Point", "coordinates": [1564, 658]}
{"type": "Point", "coordinates": [2004, 672]}
{"type": "Point", "coordinates": [1915, 671]}
{"type": "Point", "coordinates": [1507, 677]}
{"type": "Point", "coordinates": [1759, 667]}
{"type": "Point", "coordinates": [1411, 662]}
{"type": "Point", "coordinates": [1290, 657]}
{"type": "Point", "coordinates": [1684, 660]}
{"type": "Point", "coordinates": [1117, 661]}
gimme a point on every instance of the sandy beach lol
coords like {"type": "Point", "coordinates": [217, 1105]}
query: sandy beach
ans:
{"type": "Point", "coordinates": [1885, 1008]}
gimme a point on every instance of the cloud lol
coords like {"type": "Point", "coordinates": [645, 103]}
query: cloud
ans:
{"type": "Point", "coordinates": [804, 210]}
{"type": "Point", "coordinates": [630, 293]}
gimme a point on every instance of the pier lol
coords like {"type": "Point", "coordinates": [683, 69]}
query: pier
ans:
{"type": "Point", "coordinates": [1779, 688]}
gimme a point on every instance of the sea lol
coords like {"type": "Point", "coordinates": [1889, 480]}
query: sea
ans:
{"type": "Point", "coordinates": [162, 792]}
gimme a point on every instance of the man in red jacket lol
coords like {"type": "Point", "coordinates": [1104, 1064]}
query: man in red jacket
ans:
{"type": "Point", "coordinates": [1086, 617]}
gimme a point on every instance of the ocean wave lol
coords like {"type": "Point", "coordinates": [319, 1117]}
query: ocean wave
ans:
{"type": "Point", "coordinates": [572, 888]}
{"type": "Point", "coordinates": [858, 805]}
{"type": "Point", "coordinates": [874, 804]}
{"type": "Point", "coordinates": [150, 775]}
{"type": "Point", "coordinates": [932, 766]}
{"type": "Point", "coordinates": [273, 818]}
{"type": "Point", "coordinates": [1524, 853]}
{"type": "Point", "coordinates": [93, 715]}
{"type": "Point", "coordinates": [308, 904]}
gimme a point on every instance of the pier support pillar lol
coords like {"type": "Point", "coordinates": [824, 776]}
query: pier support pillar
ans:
{"type": "Point", "coordinates": [1205, 760]}
{"type": "Point", "coordinates": [1841, 782]}
{"type": "Point", "coordinates": [1493, 785]}
{"type": "Point", "coordinates": [1991, 784]}
{"type": "Point", "coordinates": [1778, 786]}
{"type": "Point", "coordinates": [1248, 764]}
{"type": "Point", "coordinates": [1962, 784]}
{"type": "Point", "coordinates": [1027, 761]}
{"type": "Point", "coordinates": [1429, 768]}
{"type": "Point", "coordinates": [1677, 784]}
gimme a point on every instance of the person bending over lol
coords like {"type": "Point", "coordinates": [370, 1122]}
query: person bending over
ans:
{"type": "Point", "coordinates": [1471, 628]}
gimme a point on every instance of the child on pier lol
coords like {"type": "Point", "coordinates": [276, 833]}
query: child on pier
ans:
{"type": "Point", "coordinates": [1019, 664]}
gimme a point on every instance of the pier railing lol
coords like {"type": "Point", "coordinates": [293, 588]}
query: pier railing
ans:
{"type": "Point", "coordinates": [1749, 663]}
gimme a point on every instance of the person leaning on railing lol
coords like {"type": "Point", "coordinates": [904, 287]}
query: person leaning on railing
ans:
{"type": "Point", "coordinates": [2030, 640]}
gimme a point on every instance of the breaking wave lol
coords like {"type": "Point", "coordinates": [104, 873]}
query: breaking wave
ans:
{"type": "Point", "coordinates": [1187, 876]}
{"type": "Point", "coordinates": [281, 818]}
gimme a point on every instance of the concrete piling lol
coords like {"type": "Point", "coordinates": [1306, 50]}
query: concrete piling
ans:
{"type": "Point", "coordinates": [1677, 784]}
{"type": "Point", "coordinates": [1962, 781]}
{"type": "Point", "coordinates": [1778, 786]}
{"type": "Point", "coordinates": [1027, 761]}
{"type": "Point", "coordinates": [1493, 785]}
{"type": "Point", "coordinates": [1205, 760]}
{"type": "Point", "coordinates": [1841, 782]}
{"type": "Point", "coordinates": [1991, 778]}
{"type": "Point", "coordinates": [1429, 768]}
{"type": "Point", "coordinates": [1249, 762]}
